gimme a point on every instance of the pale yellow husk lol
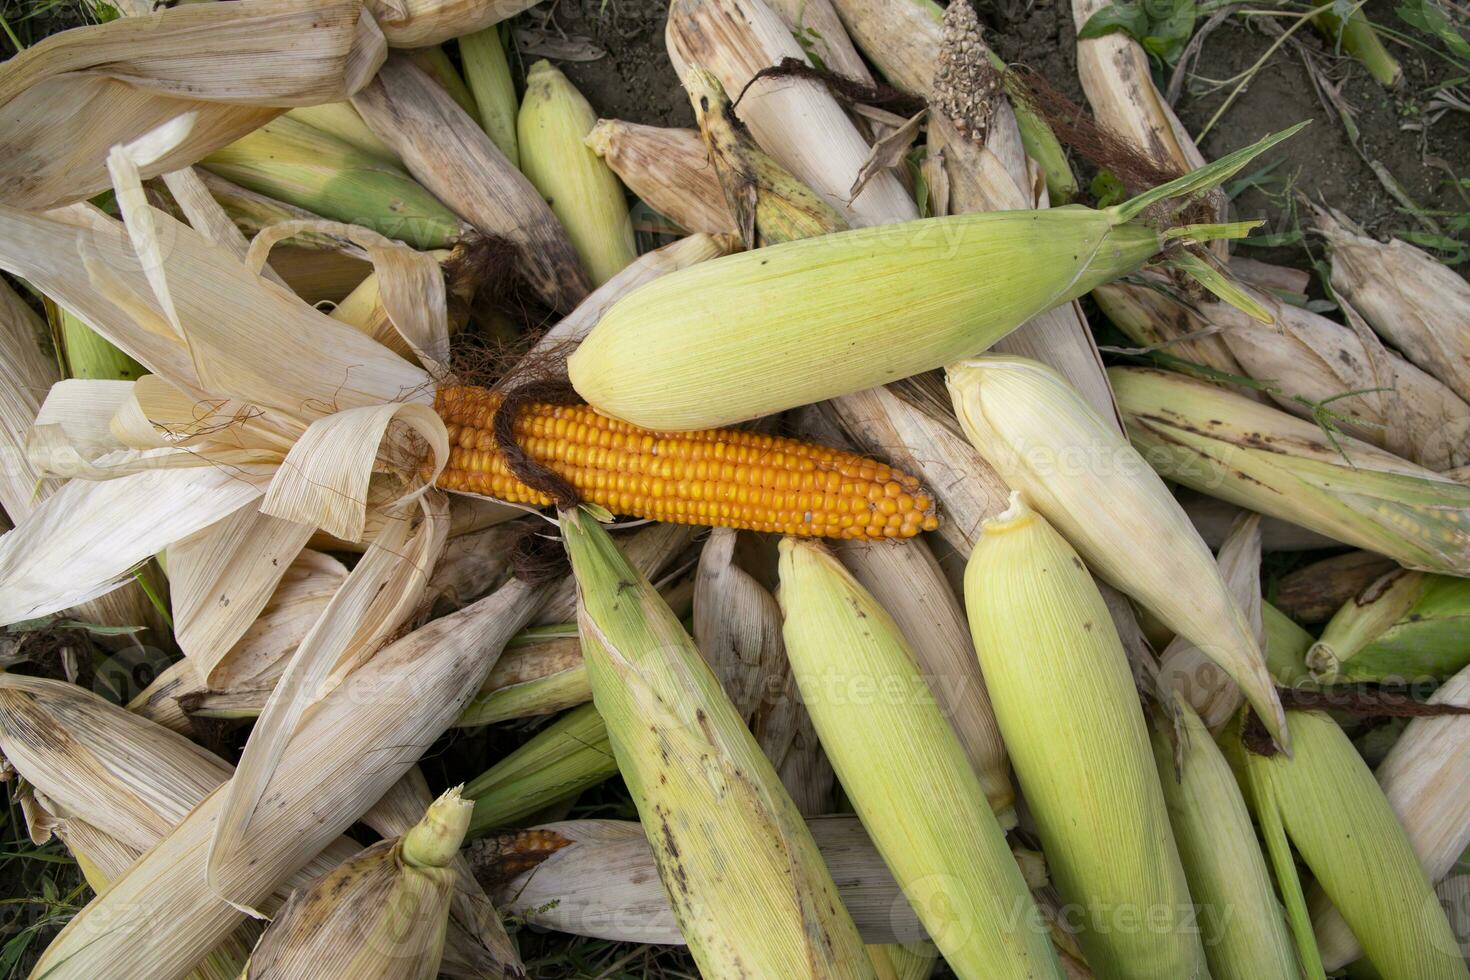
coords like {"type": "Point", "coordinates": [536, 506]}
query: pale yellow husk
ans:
{"type": "Point", "coordinates": [339, 119]}
{"type": "Point", "coordinates": [669, 169]}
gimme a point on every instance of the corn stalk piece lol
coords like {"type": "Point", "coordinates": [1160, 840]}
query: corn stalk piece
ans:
{"type": "Point", "coordinates": [1324, 802]}
{"type": "Point", "coordinates": [669, 169]}
{"type": "Point", "coordinates": [706, 796]}
{"type": "Point", "coordinates": [1357, 36]}
{"type": "Point", "coordinates": [1257, 457]}
{"type": "Point", "coordinates": [949, 855]}
{"type": "Point", "coordinates": [381, 915]}
{"type": "Point", "coordinates": [1312, 593]}
{"type": "Point", "coordinates": [1065, 700]}
{"type": "Point", "coordinates": [450, 155]}
{"type": "Point", "coordinates": [1082, 475]}
{"type": "Point", "coordinates": [583, 193]}
{"type": "Point", "coordinates": [487, 72]}
{"type": "Point", "coordinates": [704, 346]}
{"type": "Point", "coordinates": [1404, 627]}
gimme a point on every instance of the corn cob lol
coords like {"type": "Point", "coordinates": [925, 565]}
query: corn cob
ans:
{"type": "Point", "coordinates": [488, 74]}
{"type": "Point", "coordinates": [293, 162]}
{"type": "Point", "coordinates": [949, 855]}
{"type": "Point", "coordinates": [1312, 593]}
{"type": "Point", "coordinates": [583, 193]}
{"type": "Point", "coordinates": [1066, 703]}
{"type": "Point", "coordinates": [668, 169]}
{"type": "Point", "coordinates": [1324, 801]}
{"type": "Point", "coordinates": [705, 347]}
{"type": "Point", "coordinates": [1404, 627]}
{"type": "Point", "coordinates": [736, 479]}
{"type": "Point", "coordinates": [380, 915]}
{"type": "Point", "coordinates": [1258, 457]}
{"type": "Point", "coordinates": [708, 799]}
{"type": "Point", "coordinates": [1082, 475]}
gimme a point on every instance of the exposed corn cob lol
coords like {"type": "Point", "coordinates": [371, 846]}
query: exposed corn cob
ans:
{"type": "Point", "coordinates": [731, 478]}
{"type": "Point", "coordinates": [301, 165]}
{"type": "Point", "coordinates": [769, 204]}
{"type": "Point", "coordinates": [702, 347]}
{"type": "Point", "coordinates": [1422, 778]}
{"type": "Point", "coordinates": [553, 122]}
{"type": "Point", "coordinates": [1312, 593]}
{"type": "Point", "coordinates": [381, 915]}
{"type": "Point", "coordinates": [948, 855]}
{"type": "Point", "coordinates": [669, 169]}
{"type": "Point", "coordinates": [339, 119]}
{"type": "Point", "coordinates": [1065, 700]}
{"type": "Point", "coordinates": [436, 64]}
{"type": "Point", "coordinates": [1228, 879]}
{"type": "Point", "coordinates": [1323, 800]}
{"type": "Point", "coordinates": [1079, 472]}
{"type": "Point", "coordinates": [1257, 457]}
{"type": "Point", "coordinates": [707, 797]}
{"type": "Point", "coordinates": [538, 677]}
{"type": "Point", "coordinates": [1404, 627]}
{"type": "Point", "coordinates": [488, 74]}
{"type": "Point", "coordinates": [560, 761]}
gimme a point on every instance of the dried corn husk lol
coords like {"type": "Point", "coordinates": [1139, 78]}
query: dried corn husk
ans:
{"type": "Point", "coordinates": [449, 154]}
{"type": "Point", "coordinates": [891, 745]}
{"type": "Point", "coordinates": [706, 794]}
{"type": "Point", "coordinates": [1418, 304]}
{"type": "Point", "coordinates": [1312, 593]}
{"type": "Point", "coordinates": [907, 582]}
{"type": "Point", "coordinates": [582, 192]}
{"type": "Point", "coordinates": [1155, 321]}
{"type": "Point", "coordinates": [1214, 519]}
{"type": "Point", "coordinates": [597, 878]}
{"type": "Point", "coordinates": [540, 676]}
{"type": "Point", "coordinates": [669, 169]}
{"type": "Point", "coordinates": [380, 915]}
{"type": "Point", "coordinates": [488, 73]}
{"type": "Point", "coordinates": [651, 550]}
{"type": "Point", "coordinates": [1257, 457]}
{"type": "Point", "coordinates": [1404, 627]}
{"type": "Point", "coordinates": [1066, 704]}
{"type": "Point", "coordinates": [1323, 800]}
{"type": "Point", "coordinates": [1229, 883]}
{"type": "Point", "coordinates": [416, 23]}
{"type": "Point", "coordinates": [820, 32]}
{"type": "Point", "coordinates": [232, 67]}
{"type": "Point", "coordinates": [472, 565]}
{"type": "Point", "coordinates": [1079, 472]}
{"type": "Point", "coordinates": [398, 703]}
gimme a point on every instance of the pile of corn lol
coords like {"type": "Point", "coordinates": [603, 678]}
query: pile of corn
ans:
{"type": "Point", "coordinates": [809, 536]}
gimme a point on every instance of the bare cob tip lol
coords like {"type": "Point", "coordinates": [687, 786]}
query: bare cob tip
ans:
{"type": "Point", "coordinates": [434, 841]}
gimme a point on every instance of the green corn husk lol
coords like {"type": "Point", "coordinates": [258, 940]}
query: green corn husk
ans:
{"type": "Point", "coordinates": [340, 120]}
{"type": "Point", "coordinates": [436, 64]}
{"type": "Point", "coordinates": [488, 73]}
{"type": "Point", "coordinates": [1245, 934]}
{"type": "Point", "coordinates": [586, 197]}
{"type": "Point", "coordinates": [563, 759]}
{"type": "Point", "coordinates": [1263, 459]}
{"type": "Point", "coordinates": [708, 799]}
{"type": "Point", "coordinates": [1064, 696]}
{"type": "Point", "coordinates": [83, 353]}
{"type": "Point", "coordinates": [296, 163]}
{"type": "Point", "coordinates": [537, 677]}
{"type": "Point", "coordinates": [1359, 39]}
{"type": "Point", "coordinates": [1324, 802]}
{"type": "Point", "coordinates": [768, 203]}
{"type": "Point", "coordinates": [751, 334]}
{"type": "Point", "coordinates": [1404, 627]}
{"type": "Point", "coordinates": [891, 746]}
{"type": "Point", "coordinates": [1286, 648]}
{"type": "Point", "coordinates": [382, 915]}
{"type": "Point", "coordinates": [1079, 472]}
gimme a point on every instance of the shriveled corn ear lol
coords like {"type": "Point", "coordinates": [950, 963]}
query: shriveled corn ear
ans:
{"type": "Point", "coordinates": [1422, 778]}
{"type": "Point", "coordinates": [339, 119]}
{"type": "Point", "coordinates": [598, 878]}
{"type": "Point", "coordinates": [1324, 803]}
{"type": "Point", "coordinates": [908, 583]}
{"type": "Point", "coordinates": [1064, 697]}
{"type": "Point", "coordinates": [1312, 593]}
{"type": "Point", "coordinates": [551, 127]}
{"type": "Point", "coordinates": [449, 154]}
{"type": "Point", "coordinates": [669, 169]}
{"type": "Point", "coordinates": [707, 346]}
{"type": "Point", "coordinates": [1236, 906]}
{"type": "Point", "coordinates": [487, 72]}
{"type": "Point", "coordinates": [949, 854]}
{"type": "Point", "coordinates": [727, 477]}
{"type": "Point", "coordinates": [538, 677]}
{"type": "Point", "coordinates": [1415, 302]}
{"type": "Point", "coordinates": [380, 915]}
{"type": "Point", "coordinates": [1404, 627]}
{"type": "Point", "coordinates": [770, 205]}
{"type": "Point", "coordinates": [707, 797]}
{"type": "Point", "coordinates": [296, 163]}
{"type": "Point", "coordinates": [401, 699]}
{"type": "Point", "coordinates": [1263, 459]}
{"type": "Point", "coordinates": [566, 757]}
{"type": "Point", "coordinates": [1079, 472]}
